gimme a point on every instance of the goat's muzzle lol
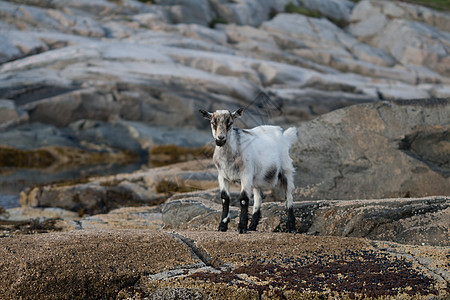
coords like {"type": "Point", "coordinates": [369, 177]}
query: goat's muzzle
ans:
{"type": "Point", "coordinates": [221, 142]}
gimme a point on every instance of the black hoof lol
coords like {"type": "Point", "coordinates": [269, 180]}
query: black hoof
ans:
{"type": "Point", "coordinates": [291, 221]}
{"type": "Point", "coordinates": [223, 227]}
{"type": "Point", "coordinates": [291, 228]}
{"type": "Point", "coordinates": [242, 227]}
{"type": "Point", "coordinates": [255, 220]}
{"type": "Point", "coordinates": [252, 226]}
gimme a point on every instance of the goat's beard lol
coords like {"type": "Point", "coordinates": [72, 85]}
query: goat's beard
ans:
{"type": "Point", "coordinates": [220, 143]}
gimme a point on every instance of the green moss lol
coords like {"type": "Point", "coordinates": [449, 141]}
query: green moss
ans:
{"type": "Point", "coordinates": [170, 154]}
{"type": "Point", "coordinates": [69, 182]}
{"type": "Point", "coordinates": [11, 157]}
{"type": "Point", "coordinates": [217, 20]}
{"type": "Point", "coordinates": [81, 212]}
{"type": "Point", "coordinates": [45, 157]}
{"type": "Point", "coordinates": [441, 5]}
{"type": "Point", "coordinates": [171, 187]}
{"type": "Point", "coordinates": [75, 156]}
{"type": "Point", "coordinates": [110, 183]}
{"type": "Point", "coordinates": [294, 9]}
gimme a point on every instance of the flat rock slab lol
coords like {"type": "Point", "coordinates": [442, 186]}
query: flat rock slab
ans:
{"type": "Point", "coordinates": [135, 264]}
{"type": "Point", "coordinates": [84, 264]}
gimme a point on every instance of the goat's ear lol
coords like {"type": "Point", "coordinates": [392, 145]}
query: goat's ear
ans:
{"type": "Point", "coordinates": [238, 113]}
{"type": "Point", "coordinates": [205, 114]}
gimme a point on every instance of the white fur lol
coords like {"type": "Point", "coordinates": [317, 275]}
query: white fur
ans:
{"type": "Point", "coordinates": [260, 149]}
{"type": "Point", "coordinates": [257, 158]}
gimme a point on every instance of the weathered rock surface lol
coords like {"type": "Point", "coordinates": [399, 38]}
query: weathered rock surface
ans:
{"type": "Point", "coordinates": [29, 220]}
{"type": "Point", "coordinates": [21, 214]}
{"type": "Point", "coordinates": [408, 221]}
{"type": "Point", "coordinates": [102, 137]}
{"type": "Point", "coordinates": [379, 150]}
{"type": "Point", "coordinates": [84, 262]}
{"type": "Point", "coordinates": [127, 264]}
{"type": "Point", "coordinates": [142, 217]}
{"type": "Point", "coordinates": [402, 220]}
{"type": "Point", "coordinates": [98, 195]}
{"type": "Point", "coordinates": [157, 64]}
{"type": "Point", "coordinates": [10, 115]}
{"type": "Point", "coordinates": [399, 10]}
{"type": "Point", "coordinates": [90, 198]}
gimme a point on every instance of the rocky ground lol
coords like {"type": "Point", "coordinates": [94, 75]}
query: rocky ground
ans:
{"type": "Point", "coordinates": [149, 264]}
{"type": "Point", "coordinates": [185, 197]}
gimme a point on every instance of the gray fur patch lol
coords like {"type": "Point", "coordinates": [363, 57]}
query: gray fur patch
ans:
{"type": "Point", "coordinates": [270, 174]}
{"type": "Point", "coordinates": [283, 181]}
{"type": "Point", "coordinates": [238, 137]}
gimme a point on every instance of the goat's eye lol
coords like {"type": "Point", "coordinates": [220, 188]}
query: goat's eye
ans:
{"type": "Point", "coordinates": [214, 124]}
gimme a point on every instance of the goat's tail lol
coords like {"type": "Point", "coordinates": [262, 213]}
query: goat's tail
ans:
{"type": "Point", "coordinates": [291, 135]}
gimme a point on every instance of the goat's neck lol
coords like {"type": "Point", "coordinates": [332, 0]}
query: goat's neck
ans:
{"type": "Point", "coordinates": [232, 146]}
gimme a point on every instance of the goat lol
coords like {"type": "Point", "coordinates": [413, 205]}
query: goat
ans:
{"type": "Point", "coordinates": [258, 158]}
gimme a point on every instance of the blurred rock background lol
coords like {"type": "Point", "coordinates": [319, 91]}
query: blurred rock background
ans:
{"type": "Point", "coordinates": [99, 87]}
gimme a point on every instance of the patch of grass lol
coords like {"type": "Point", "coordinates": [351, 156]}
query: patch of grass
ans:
{"type": "Point", "coordinates": [441, 5]}
{"type": "Point", "coordinates": [291, 8]}
{"type": "Point", "coordinates": [217, 20]}
{"type": "Point", "coordinates": [295, 9]}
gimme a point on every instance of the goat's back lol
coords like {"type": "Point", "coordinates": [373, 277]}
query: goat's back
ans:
{"type": "Point", "coordinates": [267, 142]}
{"type": "Point", "coordinates": [274, 135]}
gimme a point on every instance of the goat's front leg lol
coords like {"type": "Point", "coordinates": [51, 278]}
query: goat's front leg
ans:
{"type": "Point", "coordinates": [224, 186]}
{"type": "Point", "coordinates": [257, 198]}
{"type": "Point", "coordinates": [244, 200]}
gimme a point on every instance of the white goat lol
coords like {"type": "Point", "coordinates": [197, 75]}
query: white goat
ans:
{"type": "Point", "coordinates": [258, 158]}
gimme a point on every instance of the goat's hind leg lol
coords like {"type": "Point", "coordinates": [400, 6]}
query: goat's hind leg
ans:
{"type": "Point", "coordinates": [291, 217]}
{"type": "Point", "coordinates": [225, 196]}
{"type": "Point", "coordinates": [257, 197]}
{"type": "Point", "coordinates": [287, 184]}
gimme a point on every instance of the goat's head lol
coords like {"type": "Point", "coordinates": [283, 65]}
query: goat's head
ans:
{"type": "Point", "coordinates": [221, 123]}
